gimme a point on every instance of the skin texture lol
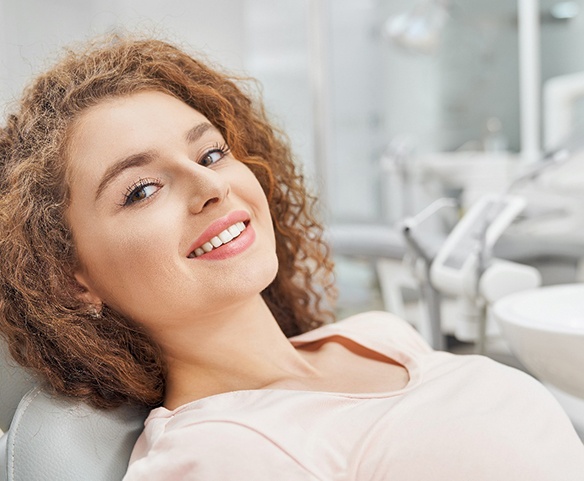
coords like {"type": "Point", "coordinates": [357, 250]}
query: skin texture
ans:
{"type": "Point", "coordinates": [134, 257]}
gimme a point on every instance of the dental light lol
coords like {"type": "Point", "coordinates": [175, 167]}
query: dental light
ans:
{"type": "Point", "coordinates": [419, 29]}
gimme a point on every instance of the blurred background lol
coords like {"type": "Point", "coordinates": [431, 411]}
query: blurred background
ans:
{"type": "Point", "coordinates": [334, 75]}
{"type": "Point", "coordinates": [364, 88]}
{"type": "Point", "coordinates": [392, 105]}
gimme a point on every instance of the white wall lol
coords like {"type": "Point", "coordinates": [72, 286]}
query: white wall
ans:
{"type": "Point", "coordinates": [32, 31]}
{"type": "Point", "coordinates": [278, 54]}
{"type": "Point", "coordinates": [412, 99]}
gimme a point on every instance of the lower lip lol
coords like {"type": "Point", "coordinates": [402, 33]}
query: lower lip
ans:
{"type": "Point", "coordinates": [232, 248]}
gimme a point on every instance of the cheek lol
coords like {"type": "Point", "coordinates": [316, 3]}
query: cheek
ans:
{"type": "Point", "coordinates": [259, 199]}
{"type": "Point", "coordinates": [122, 262]}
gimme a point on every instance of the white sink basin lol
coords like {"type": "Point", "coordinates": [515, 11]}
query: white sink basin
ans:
{"type": "Point", "coordinates": [545, 329]}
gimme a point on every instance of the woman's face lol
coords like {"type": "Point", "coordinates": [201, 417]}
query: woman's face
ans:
{"type": "Point", "coordinates": [155, 199]}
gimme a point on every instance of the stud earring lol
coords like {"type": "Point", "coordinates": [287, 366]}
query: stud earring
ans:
{"type": "Point", "coordinates": [94, 312]}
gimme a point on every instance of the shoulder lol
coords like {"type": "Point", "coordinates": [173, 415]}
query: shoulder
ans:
{"type": "Point", "coordinates": [214, 450]}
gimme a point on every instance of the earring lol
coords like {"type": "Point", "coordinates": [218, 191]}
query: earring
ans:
{"type": "Point", "coordinates": [94, 312]}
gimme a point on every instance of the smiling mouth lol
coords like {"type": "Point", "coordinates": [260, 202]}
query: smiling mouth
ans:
{"type": "Point", "coordinates": [224, 237]}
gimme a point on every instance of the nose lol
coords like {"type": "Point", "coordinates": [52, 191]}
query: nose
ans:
{"type": "Point", "coordinates": [206, 187]}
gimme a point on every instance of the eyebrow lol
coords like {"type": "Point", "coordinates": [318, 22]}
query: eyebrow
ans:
{"type": "Point", "coordinates": [135, 160]}
{"type": "Point", "coordinates": [144, 158]}
{"type": "Point", "coordinates": [197, 132]}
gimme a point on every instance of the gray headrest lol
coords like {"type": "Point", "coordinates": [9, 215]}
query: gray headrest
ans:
{"type": "Point", "coordinates": [14, 383]}
{"type": "Point", "coordinates": [53, 438]}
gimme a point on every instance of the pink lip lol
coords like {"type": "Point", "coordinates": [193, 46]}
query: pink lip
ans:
{"type": "Point", "coordinates": [219, 226]}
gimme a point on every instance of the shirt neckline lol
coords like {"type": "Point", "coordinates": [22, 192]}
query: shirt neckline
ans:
{"type": "Point", "coordinates": [401, 356]}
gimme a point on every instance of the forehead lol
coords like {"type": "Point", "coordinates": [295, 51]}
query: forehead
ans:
{"type": "Point", "coordinates": [123, 126]}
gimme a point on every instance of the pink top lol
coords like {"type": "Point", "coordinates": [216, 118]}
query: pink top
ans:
{"type": "Point", "coordinates": [459, 418]}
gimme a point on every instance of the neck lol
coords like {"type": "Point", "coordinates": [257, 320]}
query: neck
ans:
{"type": "Point", "coordinates": [238, 349]}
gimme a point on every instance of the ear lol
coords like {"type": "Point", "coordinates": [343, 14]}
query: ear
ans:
{"type": "Point", "coordinates": [87, 294]}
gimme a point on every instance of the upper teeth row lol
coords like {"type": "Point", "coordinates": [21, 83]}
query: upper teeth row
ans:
{"type": "Point", "coordinates": [222, 238]}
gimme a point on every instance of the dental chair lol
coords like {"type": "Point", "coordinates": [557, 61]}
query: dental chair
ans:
{"type": "Point", "coordinates": [49, 438]}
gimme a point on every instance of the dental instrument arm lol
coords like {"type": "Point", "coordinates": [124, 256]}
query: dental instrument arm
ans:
{"type": "Point", "coordinates": [432, 330]}
{"type": "Point", "coordinates": [464, 268]}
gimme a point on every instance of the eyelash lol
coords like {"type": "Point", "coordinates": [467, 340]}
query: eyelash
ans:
{"type": "Point", "coordinates": [142, 184]}
{"type": "Point", "coordinates": [222, 149]}
{"type": "Point", "coordinates": [138, 187]}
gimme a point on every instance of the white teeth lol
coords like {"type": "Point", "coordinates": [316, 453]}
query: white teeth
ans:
{"type": "Point", "coordinates": [225, 236]}
{"type": "Point", "coordinates": [222, 238]}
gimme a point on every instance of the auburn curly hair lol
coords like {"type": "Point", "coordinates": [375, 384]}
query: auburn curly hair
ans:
{"type": "Point", "coordinates": [110, 361]}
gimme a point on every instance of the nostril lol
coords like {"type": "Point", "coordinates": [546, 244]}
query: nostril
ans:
{"type": "Point", "coordinates": [211, 201]}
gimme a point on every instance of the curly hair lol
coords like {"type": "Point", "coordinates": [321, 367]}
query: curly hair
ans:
{"type": "Point", "coordinates": [111, 361]}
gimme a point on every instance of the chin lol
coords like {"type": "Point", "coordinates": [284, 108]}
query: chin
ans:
{"type": "Point", "coordinates": [254, 280]}
{"type": "Point", "coordinates": [269, 272]}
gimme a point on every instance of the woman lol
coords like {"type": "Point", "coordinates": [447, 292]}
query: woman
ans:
{"type": "Point", "coordinates": [159, 249]}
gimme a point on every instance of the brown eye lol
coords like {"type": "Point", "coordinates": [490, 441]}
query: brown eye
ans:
{"type": "Point", "coordinates": [138, 195]}
{"type": "Point", "coordinates": [214, 155]}
{"type": "Point", "coordinates": [140, 191]}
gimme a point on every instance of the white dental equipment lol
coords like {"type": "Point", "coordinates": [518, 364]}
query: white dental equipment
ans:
{"type": "Point", "coordinates": [421, 260]}
{"type": "Point", "coordinates": [454, 270]}
{"type": "Point", "coordinates": [463, 267]}
{"type": "Point", "coordinates": [561, 95]}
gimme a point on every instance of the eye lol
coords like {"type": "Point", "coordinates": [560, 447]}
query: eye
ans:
{"type": "Point", "coordinates": [214, 155]}
{"type": "Point", "coordinates": [141, 190]}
